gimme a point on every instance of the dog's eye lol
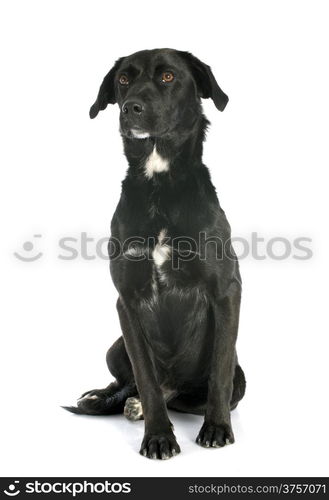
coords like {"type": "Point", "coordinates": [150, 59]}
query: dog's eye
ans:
{"type": "Point", "coordinates": [123, 79]}
{"type": "Point", "coordinates": [167, 76]}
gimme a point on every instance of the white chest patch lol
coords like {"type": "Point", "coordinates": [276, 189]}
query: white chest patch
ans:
{"type": "Point", "coordinates": [161, 252]}
{"type": "Point", "coordinates": [155, 164]}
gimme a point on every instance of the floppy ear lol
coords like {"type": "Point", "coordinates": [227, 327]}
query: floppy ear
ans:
{"type": "Point", "coordinates": [205, 80]}
{"type": "Point", "coordinates": [106, 94]}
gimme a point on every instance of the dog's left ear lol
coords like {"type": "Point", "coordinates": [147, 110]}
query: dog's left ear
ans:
{"type": "Point", "coordinates": [205, 80]}
{"type": "Point", "coordinates": [106, 94]}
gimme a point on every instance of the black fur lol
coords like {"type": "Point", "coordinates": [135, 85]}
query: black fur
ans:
{"type": "Point", "coordinates": [179, 318]}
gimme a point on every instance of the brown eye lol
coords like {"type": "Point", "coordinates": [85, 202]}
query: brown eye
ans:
{"type": "Point", "coordinates": [123, 79]}
{"type": "Point", "coordinates": [167, 76]}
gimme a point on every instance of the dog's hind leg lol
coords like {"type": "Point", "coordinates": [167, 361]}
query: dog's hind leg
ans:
{"type": "Point", "coordinates": [195, 403]}
{"type": "Point", "coordinates": [239, 387]}
{"type": "Point", "coordinates": [111, 399]}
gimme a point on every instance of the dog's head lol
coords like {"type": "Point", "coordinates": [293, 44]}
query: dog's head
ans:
{"type": "Point", "coordinates": [157, 91]}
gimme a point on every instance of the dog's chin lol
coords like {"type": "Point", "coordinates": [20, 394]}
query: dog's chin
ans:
{"type": "Point", "coordinates": [134, 133]}
{"type": "Point", "coordinates": [139, 134]}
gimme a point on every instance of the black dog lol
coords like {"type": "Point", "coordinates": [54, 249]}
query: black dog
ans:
{"type": "Point", "coordinates": [171, 258]}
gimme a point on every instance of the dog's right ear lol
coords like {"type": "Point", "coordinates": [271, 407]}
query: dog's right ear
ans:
{"type": "Point", "coordinates": [106, 94]}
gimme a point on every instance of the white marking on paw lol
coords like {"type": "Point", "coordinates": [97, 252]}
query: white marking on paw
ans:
{"type": "Point", "coordinates": [155, 164]}
{"type": "Point", "coordinates": [92, 397]}
{"type": "Point", "coordinates": [133, 405]}
{"type": "Point", "coordinates": [88, 397]}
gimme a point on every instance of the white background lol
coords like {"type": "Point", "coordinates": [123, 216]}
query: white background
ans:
{"type": "Point", "coordinates": [61, 174]}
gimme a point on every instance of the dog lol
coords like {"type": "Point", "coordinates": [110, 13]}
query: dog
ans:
{"type": "Point", "coordinates": [171, 258]}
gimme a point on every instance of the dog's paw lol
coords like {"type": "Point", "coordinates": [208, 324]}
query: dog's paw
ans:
{"type": "Point", "coordinates": [161, 446]}
{"type": "Point", "coordinates": [215, 436]}
{"type": "Point", "coordinates": [94, 394]}
{"type": "Point", "coordinates": [133, 409]}
{"type": "Point", "coordinates": [106, 401]}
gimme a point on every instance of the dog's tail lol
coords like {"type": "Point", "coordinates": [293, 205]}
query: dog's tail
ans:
{"type": "Point", "coordinates": [109, 401]}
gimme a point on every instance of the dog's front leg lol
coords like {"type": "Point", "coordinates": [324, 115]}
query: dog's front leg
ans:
{"type": "Point", "coordinates": [159, 440]}
{"type": "Point", "coordinates": [217, 430]}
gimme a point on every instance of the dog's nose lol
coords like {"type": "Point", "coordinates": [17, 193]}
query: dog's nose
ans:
{"type": "Point", "coordinates": [132, 107]}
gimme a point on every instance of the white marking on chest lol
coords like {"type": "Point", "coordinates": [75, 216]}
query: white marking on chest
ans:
{"type": "Point", "coordinates": [155, 164]}
{"type": "Point", "coordinates": [161, 252]}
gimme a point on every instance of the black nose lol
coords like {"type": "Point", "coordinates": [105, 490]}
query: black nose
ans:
{"type": "Point", "coordinates": [132, 107]}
